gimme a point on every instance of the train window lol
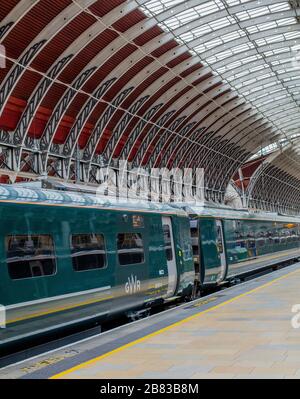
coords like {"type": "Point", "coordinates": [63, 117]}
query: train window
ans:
{"type": "Point", "coordinates": [219, 240]}
{"type": "Point", "coordinates": [88, 252]}
{"type": "Point", "coordinates": [260, 242]}
{"type": "Point", "coordinates": [194, 232]}
{"type": "Point", "coordinates": [30, 256]}
{"type": "Point", "coordinates": [130, 248]}
{"type": "Point", "coordinates": [168, 242]}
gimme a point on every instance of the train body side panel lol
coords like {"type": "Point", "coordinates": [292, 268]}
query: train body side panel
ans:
{"type": "Point", "coordinates": [251, 241]}
{"type": "Point", "coordinates": [209, 254]}
{"type": "Point", "coordinates": [40, 303]}
{"type": "Point", "coordinates": [184, 256]}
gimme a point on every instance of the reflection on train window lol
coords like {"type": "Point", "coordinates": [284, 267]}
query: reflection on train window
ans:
{"type": "Point", "coordinates": [30, 256]}
{"type": "Point", "coordinates": [167, 241]}
{"type": "Point", "coordinates": [194, 231]}
{"type": "Point", "coordinates": [130, 248]}
{"type": "Point", "coordinates": [88, 252]}
{"type": "Point", "coordinates": [219, 240]}
{"type": "Point", "coordinates": [260, 242]}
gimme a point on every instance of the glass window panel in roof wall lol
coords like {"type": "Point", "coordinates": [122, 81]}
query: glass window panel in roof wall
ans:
{"type": "Point", "coordinates": [220, 23]}
{"type": "Point", "coordinates": [209, 7]}
{"type": "Point", "coordinates": [158, 6]}
{"type": "Point", "coordinates": [208, 28]}
{"type": "Point", "coordinates": [256, 79]}
{"type": "Point", "coordinates": [172, 23]}
{"type": "Point", "coordinates": [264, 95]}
{"type": "Point", "coordinates": [277, 51]}
{"type": "Point", "coordinates": [245, 15]}
{"type": "Point", "coordinates": [231, 3]}
{"type": "Point", "coordinates": [202, 30]}
{"type": "Point", "coordinates": [267, 40]}
{"type": "Point", "coordinates": [286, 21]}
{"type": "Point", "coordinates": [181, 19]}
{"type": "Point", "coordinates": [219, 41]}
{"type": "Point", "coordinates": [262, 27]}
{"type": "Point", "coordinates": [187, 37]}
{"type": "Point", "coordinates": [277, 38]}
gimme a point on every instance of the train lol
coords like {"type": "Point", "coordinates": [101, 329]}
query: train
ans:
{"type": "Point", "coordinates": [68, 258]}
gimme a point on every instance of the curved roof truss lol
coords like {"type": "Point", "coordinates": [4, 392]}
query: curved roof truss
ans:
{"type": "Point", "coordinates": [159, 83]}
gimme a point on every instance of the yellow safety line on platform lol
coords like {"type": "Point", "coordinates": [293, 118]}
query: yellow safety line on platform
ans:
{"type": "Point", "coordinates": [137, 341]}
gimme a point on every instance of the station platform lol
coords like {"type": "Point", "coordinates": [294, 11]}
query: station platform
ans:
{"type": "Point", "coordinates": [245, 331]}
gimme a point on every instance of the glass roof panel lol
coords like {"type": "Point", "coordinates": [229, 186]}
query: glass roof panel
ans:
{"type": "Point", "coordinates": [253, 45]}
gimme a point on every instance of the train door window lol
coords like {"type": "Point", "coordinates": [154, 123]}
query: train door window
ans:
{"type": "Point", "coordinates": [195, 238]}
{"type": "Point", "coordinates": [260, 242]}
{"type": "Point", "coordinates": [130, 248]}
{"type": "Point", "coordinates": [168, 242]}
{"type": "Point", "coordinates": [88, 252]}
{"type": "Point", "coordinates": [30, 256]}
{"type": "Point", "coordinates": [219, 239]}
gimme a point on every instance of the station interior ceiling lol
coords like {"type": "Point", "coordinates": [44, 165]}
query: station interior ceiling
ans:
{"type": "Point", "coordinates": [212, 84]}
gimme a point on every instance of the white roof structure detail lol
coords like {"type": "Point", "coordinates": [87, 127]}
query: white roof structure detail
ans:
{"type": "Point", "coordinates": [253, 45]}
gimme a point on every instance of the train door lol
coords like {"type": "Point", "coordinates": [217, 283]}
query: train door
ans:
{"type": "Point", "coordinates": [170, 254]}
{"type": "Point", "coordinates": [221, 249]}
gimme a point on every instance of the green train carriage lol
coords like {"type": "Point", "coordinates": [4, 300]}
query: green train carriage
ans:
{"type": "Point", "coordinates": [66, 259]}
{"type": "Point", "coordinates": [229, 243]}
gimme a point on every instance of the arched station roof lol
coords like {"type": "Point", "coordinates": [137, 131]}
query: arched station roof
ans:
{"type": "Point", "coordinates": [159, 83]}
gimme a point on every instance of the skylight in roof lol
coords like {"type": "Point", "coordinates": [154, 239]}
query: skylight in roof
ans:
{"type": "Point", "coordinates": [250, 47]}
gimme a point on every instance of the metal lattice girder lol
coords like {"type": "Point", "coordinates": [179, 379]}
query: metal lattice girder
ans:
{"type": "Point", "coordinates": [229, 111]}
{"type": "Point", "coordinates": [140, 126]}
{"type": "Point", "coordinates": [244, 113]}
{"type": "Point", "coordinates": [200, 101]}
{"type": "Point", "coordinates": [213, 115]}
{"type": "Point", "coordinates": [183, 98]}
{"type": "Point", "coordinates": [173, 91]}
{"type": "Point", "coordinates": [78, 45]}
{"type": "Point", "coordinates": [172, 119]}
{"type": "Point", "coordinates": [138, 79]}
{"type": "Point", "coordinates": [185, 149]}
{"type": "Point", "coordinates": [11, 80]}
{"type": "Point", "coordinates": [98, 61]}
{"type": "Point", "coordinates": [58, 113]}
{"type": "Point", "coordinates": [158, 145]}
{"type": "Point", "coordinates": [201, 109]}
{"type": "Point", "coordinates": [174, 54]}
{"type": "Point", "coordinates": [28, 55]}
{"type": "Point", "coordinates": [33, 104]}
{"type": "Point", "coordinates": [246, 23]}
{"type": "Point", "coordinates": [202, 153]}
{"type": "Point", "coordinates": [164, 80]}
{"type": "Point", "coordinates": [11, 19]}
{"type": "Point", "coordinates": [220, 146]}
{"type": "Point", "coordinates": [87, 109]}
{"type": "Point", "coordinates": [261, 126]}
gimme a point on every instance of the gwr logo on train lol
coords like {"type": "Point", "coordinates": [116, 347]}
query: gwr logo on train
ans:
{"type": "Point", "coordinates": [133, 285]}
